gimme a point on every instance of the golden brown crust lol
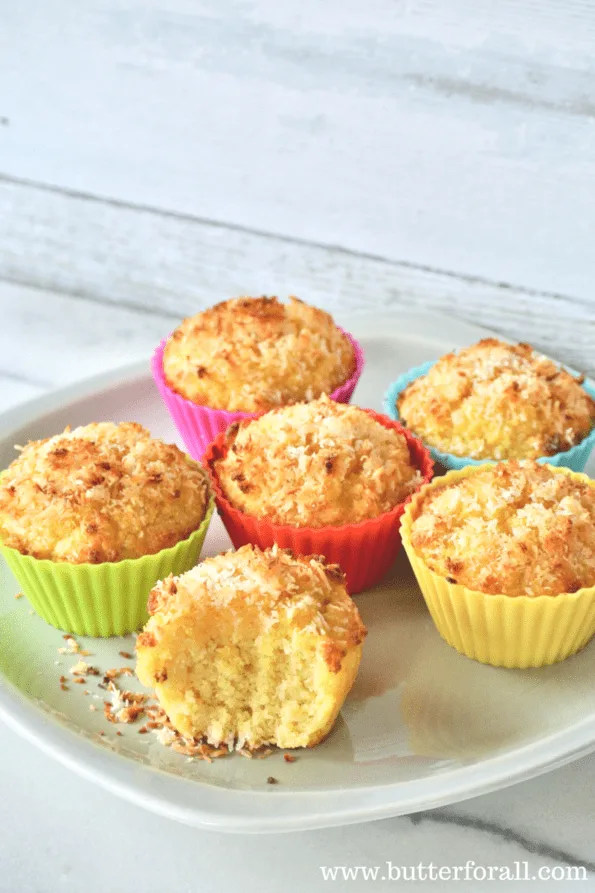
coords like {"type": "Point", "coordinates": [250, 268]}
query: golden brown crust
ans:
{"type": "Point", "coordinates": [497, 401]}
{"type": "Point", "coordinates": [252, 648]}
{"type": "Point", "coordinates": [251, 354]}
{"type": "Point", "coordinates": [103, 492]}
{"type": "Point", "coordinates": [146, 640]}
{"type": "Point", "coordinates": [256, 587]}
{"type": "Point", "coordinates": [517, 528]}
{"type": "Point", "coordinates": [316, 464]}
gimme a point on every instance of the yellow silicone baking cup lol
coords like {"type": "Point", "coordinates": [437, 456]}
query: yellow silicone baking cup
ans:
{"type": "Point", "coordinates": [502, 630]}
{"type": "Point", "coordinates": [107, 599]}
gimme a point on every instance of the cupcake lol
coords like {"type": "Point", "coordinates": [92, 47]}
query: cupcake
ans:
{"type": "Point", "coordinates": [252, 648]}
{"type": "Point", "coordinates": [495, 401]}
{"type": "Point", "coordinates": [91, 518]}
{"type": "Point", "coordinates": [319, 478]}
{"type": "Point", "coordinates": [505, 558]}
{"type": "Point", "coordinates": [246, 356]}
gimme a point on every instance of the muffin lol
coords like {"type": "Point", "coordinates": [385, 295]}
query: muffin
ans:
{"type": "Point", "coordinates": [85, 511]}
{"type": "Point", "coordinates": [319, 477]}
{"type": "Point", "coordinates": [248, 355]}
{"type": "Point", "coordinates": [251, 354]}
{"type": "Point", "coordinates": [252, 648]}
{"type": "Point", "coordinates": [505, 557]}
{"type": "Point", "coordinates": [496, 401]}
{"type": "Point", "coordinates": [315, 464]}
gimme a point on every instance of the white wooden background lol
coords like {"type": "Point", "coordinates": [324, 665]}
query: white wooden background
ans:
{"type": "Point", "coordinates": [158, 156]}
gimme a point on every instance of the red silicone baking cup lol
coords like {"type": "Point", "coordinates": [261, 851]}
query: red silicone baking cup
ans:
{"type": "Point", "coordinates": [199, 425]}
{"type": "Point", "coordinates": [365, 551]}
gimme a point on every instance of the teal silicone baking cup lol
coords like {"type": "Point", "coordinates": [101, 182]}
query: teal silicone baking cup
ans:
{"type": "Point", "coordinates": [575, 458]}
{"type": "Point", "coordinates": [108, 599]}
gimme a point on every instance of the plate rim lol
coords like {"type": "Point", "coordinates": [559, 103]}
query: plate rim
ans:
{"type": "Point", "coordinates": [162, 792]}
{"type": "Point", "coordinates": [118, 774]}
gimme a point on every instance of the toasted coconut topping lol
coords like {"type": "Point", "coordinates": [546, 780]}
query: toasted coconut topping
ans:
{"type": "Point", "coordinates": [103, 492]}
{"type": "Point", "coordinates": [316, 464]}
{"type": "Point", "coordinates": [260, 589]}
{"type": "Point", "coordinates": [498, 401]}
{"type": "Point", "coordinates": [517, 528]}
{"type": "Point", "coordinates": [250, 354]}
{"type": "Point", "coordinates": [251, 649]}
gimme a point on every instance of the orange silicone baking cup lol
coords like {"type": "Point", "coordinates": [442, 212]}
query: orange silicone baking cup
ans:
{"type": "Point", "coordinates": [365, 551]}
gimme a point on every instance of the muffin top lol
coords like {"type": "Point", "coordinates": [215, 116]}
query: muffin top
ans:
{"type": "Point", "coordinates": [251, 354]}
{"type": "Point", "coordinates": [102, 492]}
{"type": "Point", "coordinates": [316, 464]}
{"type": "Point", "coordinates": [517, 528]}
{"type": "Point", "coordinates": [497, 401]}
{"type": "Point", "coordinates": [249, 588]}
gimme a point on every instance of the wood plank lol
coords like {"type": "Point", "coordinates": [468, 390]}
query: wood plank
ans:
{"type": "Point", "coordinates": [15, 390]}
{"type": "Point", "coordinates": [120, 279]}
{"type": "Point", "coordinates": [48, 339]}
{"type": "Point", "coordinates": [457, 135]}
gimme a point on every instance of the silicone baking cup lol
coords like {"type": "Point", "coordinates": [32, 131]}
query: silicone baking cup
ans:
{"type": "Point", "coordinates": [365, 551]}
{"type": "Point", "coordinates": [108, 599]}
{"type": "Point", "coordinates": [199, 425]}
{"type": "Point", "coordinates": [502, 630]}
{"type": "Point", "coordinates": [575, 458]}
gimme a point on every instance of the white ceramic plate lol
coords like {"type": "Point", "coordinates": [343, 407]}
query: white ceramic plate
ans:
{"type": "Point", "coordinates": [422, 727]}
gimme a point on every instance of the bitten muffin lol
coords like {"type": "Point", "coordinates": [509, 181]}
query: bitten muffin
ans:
{"type": "Point", "coordinates": [316, 464]}
{"type": "Point", "coordinates": [497, 401]}
{"type": "Point", "coordinates": [252, 648]}
{"type": "Point", "coordinates": [517, 528]}
{"type": "Point", "coordinates": [251, 354]}
{"type": "Point", "coordinates": [100, 493]}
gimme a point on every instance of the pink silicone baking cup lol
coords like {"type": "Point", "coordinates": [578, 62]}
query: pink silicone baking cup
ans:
{"type": "Point", "coordinates": [199, 425]}
{"type": "Point", "coordinates": [364, 551]}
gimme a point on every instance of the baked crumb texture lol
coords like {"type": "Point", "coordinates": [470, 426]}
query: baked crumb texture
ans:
{"type": "Point", "coordinates": [141, 710]}
{"type": "Point", "coordinates": [100, 493]}
{"type": "Point", "coordinates": [252, 648]}
{"type": "Point", "coordinates": [322, 478]}
{"type": "Point", "coordinates": [505, 558]}
{"type": "Point", "coordinates": [252, 354]}
{"type": "Point", "coordinates": [497, 401]}
{"type": "Point", "coordinates": [517, 528]}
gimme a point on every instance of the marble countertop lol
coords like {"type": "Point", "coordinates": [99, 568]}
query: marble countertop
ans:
{"type": "Point", "coordinates": [61, 833]}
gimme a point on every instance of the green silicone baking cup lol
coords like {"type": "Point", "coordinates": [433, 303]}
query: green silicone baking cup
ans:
{"type": "Point", "coordinates": [108, 599]}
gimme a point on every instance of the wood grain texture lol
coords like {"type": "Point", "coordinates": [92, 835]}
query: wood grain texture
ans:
{"type": "Point", "coordinates": [48, 339]}
{"type": "Point", "coordinates": [457, 135]}
{"type": "Point", "coordinates": [108, 281]}
{"type": "Point", "coordinates": [13, 391]}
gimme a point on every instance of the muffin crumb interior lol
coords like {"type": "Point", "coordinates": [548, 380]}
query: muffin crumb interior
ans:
{"type": "Point", "coordinates": [252, 648]}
